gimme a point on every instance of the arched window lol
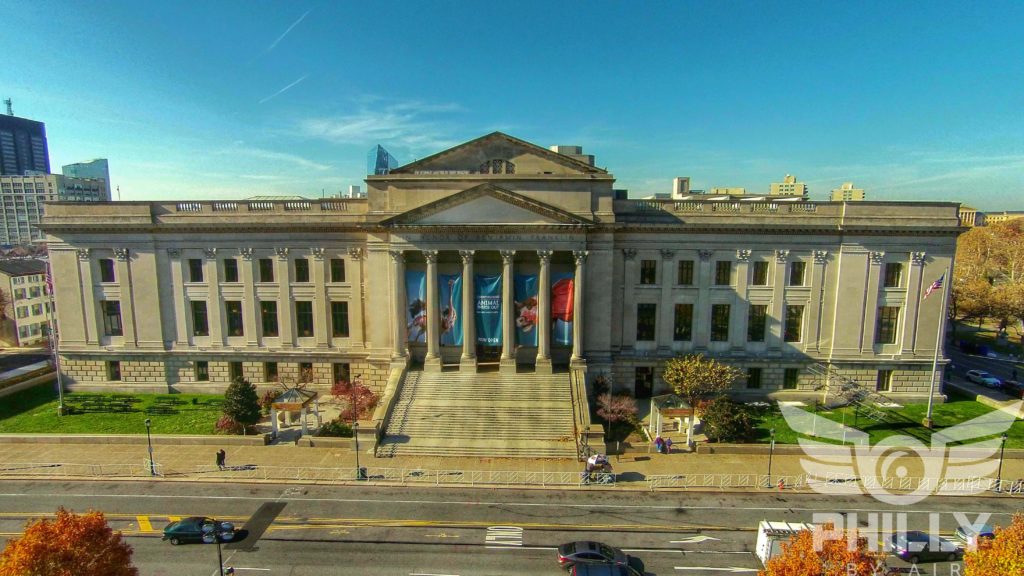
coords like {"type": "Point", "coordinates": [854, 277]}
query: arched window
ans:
{"type": "Point", "coordinates": [497, 166]}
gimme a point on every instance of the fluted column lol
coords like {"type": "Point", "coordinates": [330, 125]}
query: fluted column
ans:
{"type": "Point", "coordinates": [398, 269]}
{"type": "Point", "coordinates": [580, 256]}
{"type": "Point", "coordinates": [432, 362]}
{"type": "Point", "coordinates": [508, 324]}
{"type": "Point", "coordinates": [544, 313]}
{"type": "Point", "coordinates": [468, 360]}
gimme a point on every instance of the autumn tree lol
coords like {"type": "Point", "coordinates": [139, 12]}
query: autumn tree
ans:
{"type": "Point", "coordinates": [1001, 555]}
{"type": "Point", "coordinates": [988, 279]}
{"type": "Point", "coordinates": [825, 552]}
{"type": "Point", "coordinates": [695, 377]}
{"type": "Point", "coordinates": [360, 399]}
{"type": "Point", "coordinates": [69, 545]}
{"type": "Point", "coordinates": [615, 409]}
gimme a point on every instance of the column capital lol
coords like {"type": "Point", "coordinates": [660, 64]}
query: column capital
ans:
{"type": "Point", "coordinates": [467, 256]}
{"type": "Point", "coordinates": [876, 257]}
{"type": "Point", "coordinates": [544, 256]}
{"type": "Point", "coordinates": [397, 256]}
{"type": "Point", "coordinates": [918, 258]}
{"type": "Point", "coordinates": [507, 255]}
{"type": "Point", "coordinates": [83, 253]}
{"type": "Point", "coordinates": [705, 255]}
{"type": "Point", "coordinates": [781, 256]}
{"type": "Point", "coordinates": [282, 253]}
{"type": "Point", "coordinates": [121, 254]}
{"type": "Point", "coordinates": [667, 254]}
{"type": "Point", "coordinates": [629, 253]}
{"type": "Point", "coordinates": [580, 256]}
{"type": "Point", "coordinates": [820, 256]}
{"type": "Point", "coordinates": [172, 252]}
{"type": "Point", "coordinates": [210, 253]}
{"type": "Point", "coordinates": [355, 253]}
{"type": "Point", "coordinates": [245, 253]}
{"type": "Point", "coordinates": [430, 256]}
{"type": "Point", "coordinates": [743, 255]}
{"type": "Point", "coordinates": [318, 253]}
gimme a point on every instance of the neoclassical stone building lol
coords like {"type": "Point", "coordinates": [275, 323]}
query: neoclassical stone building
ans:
{"type": "Point", "coordinates": [497, 255]}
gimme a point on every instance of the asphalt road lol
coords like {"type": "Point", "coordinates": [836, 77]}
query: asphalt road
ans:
{"type": "Point", "coordinates": [455, 532]}
{"type": "Point", "coordinates": [1002, 369]}
{"type": "Point", "coordinates": [11, 359]}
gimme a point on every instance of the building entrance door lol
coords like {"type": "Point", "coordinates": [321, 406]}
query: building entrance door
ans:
{"type": "Point", "coordinates": [644, 382]}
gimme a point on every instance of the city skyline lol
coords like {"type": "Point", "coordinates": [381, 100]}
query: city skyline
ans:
{"type": "Point", "coordinates": [287, 99]}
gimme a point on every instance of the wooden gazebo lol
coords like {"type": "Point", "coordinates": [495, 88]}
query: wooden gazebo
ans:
{"type": "Point", "coordinates": [294, 400]}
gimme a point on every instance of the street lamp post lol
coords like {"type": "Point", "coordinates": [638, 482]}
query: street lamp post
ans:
{"type": "Point", "coordinates": [999, 474]}
{"type": "Point", "coordinates": [355, 435]}
{"type": "Point", "coordinates": [149, 442]}
{"type": "Point", "coordinates": [771, 452]}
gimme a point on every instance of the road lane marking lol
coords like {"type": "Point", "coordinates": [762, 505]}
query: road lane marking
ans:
{"type": "Point", "coordinates": [237, 568]}
{"type": "Point", "coordinates": [694, 540]}
{"type": "Point", "coordinates": [144, 524]}
{"type": "Point", "coordinates": [429, 574]}
{"type": "Point", "coordinates": [174, 518]}
{"type": "Point", "coordinates": [652, 550]}
{"type": "Point", "coordinates": [504, 536]}
{"type": "Point", "coordinates": [730, 569]}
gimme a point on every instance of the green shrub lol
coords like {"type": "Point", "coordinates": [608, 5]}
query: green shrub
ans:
{"type": "Point", "coordinates": [335, 429]}
{"type": "Point", "coordinates": [727, 421]}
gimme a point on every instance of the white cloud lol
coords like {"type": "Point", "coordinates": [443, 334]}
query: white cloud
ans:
{"type": "Point", "coordinates": [404, 123]}
{"type": "Point", "coordinates": [281, 157]}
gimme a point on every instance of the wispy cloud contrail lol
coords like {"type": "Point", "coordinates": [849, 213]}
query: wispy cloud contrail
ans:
{"type": "Point", "coordinates": [285, 89]}
{"type": "Point", "coordinates": [286, 32]}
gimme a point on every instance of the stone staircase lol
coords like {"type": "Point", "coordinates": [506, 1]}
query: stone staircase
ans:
{"type": "Point", "coordinates": [481, 414]}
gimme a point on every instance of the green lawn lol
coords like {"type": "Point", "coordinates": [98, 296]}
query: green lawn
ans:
{"type": "Point", "coordinates": [34, 411]}
{"type": "Point", "coordinates": [957, 410]}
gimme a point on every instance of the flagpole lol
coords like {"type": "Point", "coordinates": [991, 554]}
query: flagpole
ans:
{"type": "Point", "coordinates": [946, 286]}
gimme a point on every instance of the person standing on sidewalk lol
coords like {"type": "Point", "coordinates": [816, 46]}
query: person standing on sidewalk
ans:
{"type": "Point", "coordinates": [221, 458]}
{"type": "Point", "coordinates": [668, 445]}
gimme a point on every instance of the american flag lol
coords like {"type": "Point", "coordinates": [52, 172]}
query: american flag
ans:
{"type": "Point", "coordinates": [935, 286]}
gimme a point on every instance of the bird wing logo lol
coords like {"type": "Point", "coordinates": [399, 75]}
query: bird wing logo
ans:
{"type": "Point", "coordinates": [900, 469]}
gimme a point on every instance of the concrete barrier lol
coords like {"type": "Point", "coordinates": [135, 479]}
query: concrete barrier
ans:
{"type": "Point", "coordinates": [31, 382]}
{"type": "Point", "coordinates": [795, 450]}
{"type": "Point", "coordinates": [326, 442]}
{"type": "Point", "coordinates": [158, 439]}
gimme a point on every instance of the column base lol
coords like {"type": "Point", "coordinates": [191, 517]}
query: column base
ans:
{"type": "Point", "coordinates": [432, 364]}
{"type": "Point", "coordinates": [467, 364]}
{"type": "Point", "coordinates": [543, 366]}
{"type": "Point", "coordinates": [507, 366]}
{"type": "Point", "coordinates": [577, 363]}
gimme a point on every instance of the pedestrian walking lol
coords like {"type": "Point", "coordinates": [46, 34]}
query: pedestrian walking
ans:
{"type": "Point", "coordinates": [658, 444]}
{"type": "Point", "coordinates": [221, 458]}
{"type": "Point", "coordinates": [668, 445]}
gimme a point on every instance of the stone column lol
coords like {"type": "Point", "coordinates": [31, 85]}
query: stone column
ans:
{"type": "Point", "coordinates": [817, 297]}
{"type": "Point", "coordinates": [355, 308]}
{"type": "Point", "coordinates": [398, 270]}
{"type": "Point", "coordinates": [508, 316]}
{"type": "Point", "coordinates": [666, 314]}
{"type": "Point", "coordinates": [322, 322]}
{"type": "Point", "coordinates": [124, 275]}
{"type": "Point", "coordinates": [432, 362]}
{"type": "Point", "coordinates": [702, 309]}
{"type": "Point", "coordinates": [915, 282]}
{"type": "Point", "coordinates": [543, 365]}
{"type": "Point", "coordinates": [628, 342]}
{"type": "Point", "coordinates": [251, 321]}
{"type": "Point", "coordinates": [876, 266]}
{"type": "Point", "coordinates": [777, 313]}
{"type": "Point", "coordinates": [580, 256]}
{"type": "Point", "coordinates": [285, 302]}
{"type": "Point", "coordinates": [214, 306]}
{"type": "Point", "coordinates": [740, 305]}
{"type": "Point", "coordinates": [177, 282]}
{"type": "Point", "coordinates": [468, 360]}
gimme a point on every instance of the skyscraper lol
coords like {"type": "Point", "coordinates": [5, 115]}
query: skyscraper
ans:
{"type": "Point", "coordinates": [22, 146]}
{"type": "Point", "coordinates": [97, 168]}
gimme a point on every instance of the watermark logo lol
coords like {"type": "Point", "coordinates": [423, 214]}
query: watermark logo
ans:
{"type": "Point", "coordinates": [900, 469]}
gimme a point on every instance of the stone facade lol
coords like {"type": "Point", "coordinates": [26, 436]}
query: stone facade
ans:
{"type": "Point", "coordinates": [160, 287]}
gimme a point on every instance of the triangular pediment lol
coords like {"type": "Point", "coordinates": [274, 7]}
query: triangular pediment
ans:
{"type": "Point", "coordinates": [486, 204]}
{"type": "Point", "coordinates": [524, 157]}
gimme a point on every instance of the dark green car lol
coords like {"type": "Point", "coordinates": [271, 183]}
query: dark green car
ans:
{"type": "Point", "coordinates": [199, 529]}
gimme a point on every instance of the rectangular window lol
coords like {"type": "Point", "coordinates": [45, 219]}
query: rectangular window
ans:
{"type": "Point", "coordinates": [790, 378]}
{"type": "Point", "coordinates": [200, 321]}
{"type": "Point", "coordinates": [794, 323]}
{"type": "Point", "coordinates": [684, 273]}
{"type": "Point", "coordinates": [301, 270]}
{"type": "Point", "coordinates": [235, 371]}
{"type": "Point", "coordinates": [888, 320]}
{"type": "Point", "coordinates": [305, 371]}
{"type": "Point", "coordinates": [35, 292]}
{"type": "Point", "coordinates": [796, 273]}
{"type": "Point", "coordinates": [648, 272]}
{"type": "Point", "coordinates": [266, 270]}
{"type": "Point", "coordinates": [270, 372]}
{"type": "Point", "coordinates": [111, 310]}
{"type": "Point", "coordinates": [719, 322]}
{"type": "Point", "coordinates": [893, 274]}
{"type": "Point", "coordinates": [337, 270]}
{"type": "Point", "coordinates": [234, 312]}
{"type": "Point", "coordinates": [106, 270]}
{"type": "Point", "coordinates": [723, 273]}
{"type": "Point", "coordinates": [19, 293]}
{"type": "Point", "coordinates": [202, 371]}
{"type": "Point", "coordinates": [760, 277]}
{"type": "Point", "coordinates": [195, 270]}
{"type": "Point", "coordinates": [339, 319]}
{"type": "Point", "coordinates": [753, 377]}
{"type": "Point", "coordinates": [37, 309]}
{"type": "Point", "coordinates": [231, 270]}
{"type": "Point", "coordinates": [341, 372]}
{"type": "Point", "coordinates": [883, 382]}
{"type": "Point", "coordinates": [682, 328]}
{"type": "Point", "coordinates": [113, 370]}
{"type": "Point", "coordinates": [645, 322]}
{"type": "Point", "coordinates": [757, 322]}
{"type": "Point", "coordinates": [268, 317]}
{"type": "Point", "coordinates": [304, 318]}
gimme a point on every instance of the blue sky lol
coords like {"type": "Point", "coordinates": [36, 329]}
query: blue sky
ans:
{"type": "Point", "coordinates": [912, 101]}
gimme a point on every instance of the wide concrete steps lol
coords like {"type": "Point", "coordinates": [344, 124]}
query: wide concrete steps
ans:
{"type": "Point", "coordinates": [492, 414]}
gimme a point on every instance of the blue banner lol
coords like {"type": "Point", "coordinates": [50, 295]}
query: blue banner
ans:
{"type": "Point", "coordinates": [416, 305]}
{"type": "Point", "coordinates": [450, 292]}
{"type": "Point", "coordinates": [561, 308]}
{"type": "Point", "coordinates": [526, 309]}
{"type": "Point", "coordinates": [488, 309]}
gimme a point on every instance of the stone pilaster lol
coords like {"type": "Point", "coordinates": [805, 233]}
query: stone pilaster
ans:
{"type": "Point", "coordinates": [580, 257]}
{"type": "Point", "coordinates": [398, 348]}
{"type": "Point", "coordinates": [468, 360]}
{"type": "Point", "coordinates": [544, 313]}
{"type": "Point", "coordinates": [508, 316]}
{"type": "Point", "coordinates": [432, 362]}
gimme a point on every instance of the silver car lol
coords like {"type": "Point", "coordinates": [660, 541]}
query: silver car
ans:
{"type": "Point", "coordinates": [984, 378]}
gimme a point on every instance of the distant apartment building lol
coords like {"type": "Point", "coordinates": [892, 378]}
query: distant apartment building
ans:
{"type": "Point", "coordinates": [788, 187]}
{"type": "Point", "coordinates": [847, 193]}
{"type": "Point", "coordinates": [26, 317]}
{"type": "Point", "coordinates": [22, 197]}
{"type": "Point", "coordinates": [96, 169]}
{"type": "Point", "coordinates": [722, 191]}
{"type": "Point", "coordinates": [970, 216]}
{"type": "Point", "coordinates": [22, 146]}
{"type": "Point", "coordinates": [1000, 217]}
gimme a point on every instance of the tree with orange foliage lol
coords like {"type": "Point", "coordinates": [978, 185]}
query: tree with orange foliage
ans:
{"type": "Point", "coordinates": [1001, 555]}
{"type": "Point", "coordinates": [825, 552]}
{"type": "Point", "coordinates": [69, 545]}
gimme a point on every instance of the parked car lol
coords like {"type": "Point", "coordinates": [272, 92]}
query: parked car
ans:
{"type": "Point", "coordinates": [983, 378]}
{"type": "Point", "coordinates": [590, 552]}
{"type": "Point", "coordinates": [915, 546]}
{"type": "Point", "coordinates": [198, 529]}
{"type": "Point", "coordinates": [1014, 388]}
{"type": "Point", "coordinates": [970, 535]}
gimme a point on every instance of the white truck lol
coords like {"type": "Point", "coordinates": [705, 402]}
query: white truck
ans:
{"type": "Point", "coordinates": [770, 536]}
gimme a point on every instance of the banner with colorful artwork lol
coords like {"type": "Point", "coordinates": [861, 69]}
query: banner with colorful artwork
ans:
{"type": "Point", "coordinates": [488, 309]}
{"type": "Point", "coordinates": [561, 308]}
{"type": "Point", "coordinates": [450, 293]}
{"type": "Point", "coordinates": [525, 303]}
{"type": "Point", "coordinates": [416, 305]}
